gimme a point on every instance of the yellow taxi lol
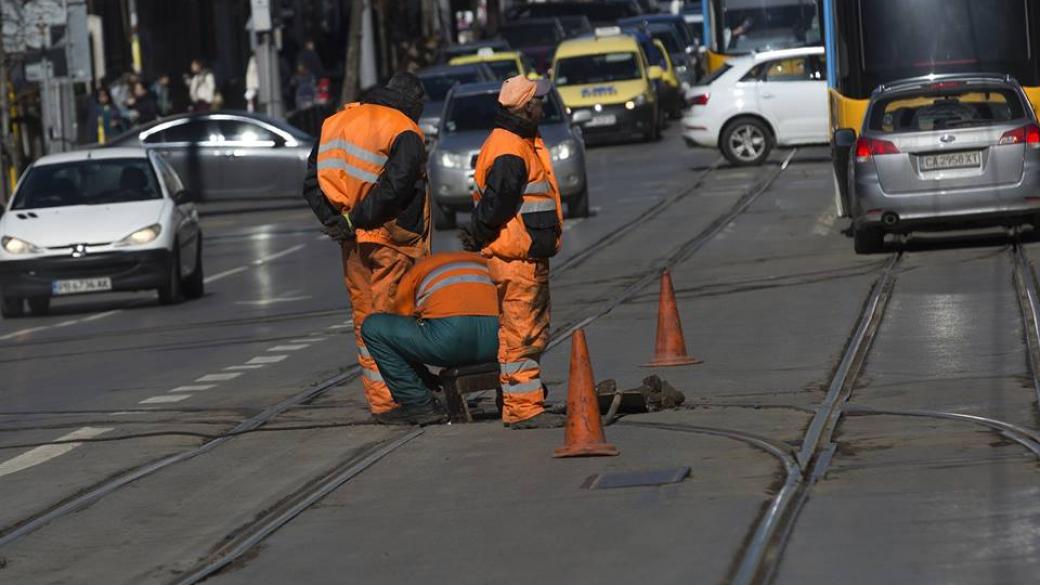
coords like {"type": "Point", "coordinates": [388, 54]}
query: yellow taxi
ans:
{"type": "Point", "coordinates": [504, 64]}
{"type": "Point", "coordinates": [608, 85]}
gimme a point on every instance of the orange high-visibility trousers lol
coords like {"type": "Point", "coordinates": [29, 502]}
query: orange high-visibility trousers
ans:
{"type": "Point", "coordinates": [523, 296]}
{"type": "Point", "coordinates": [372, 273]}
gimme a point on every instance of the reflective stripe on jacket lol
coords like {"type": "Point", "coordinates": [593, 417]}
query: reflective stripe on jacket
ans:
{"type": "Point", "coordinates": [448, 285]}
{"type": "Point", "coordinates": [536, 229]}
{"type": "Point", "coordinates": [355, 145]}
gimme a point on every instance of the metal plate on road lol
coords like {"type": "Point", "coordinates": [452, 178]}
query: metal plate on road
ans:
{"type": "Point", "coordinates": [951, 160]}
{"type": "Point", "coordinates": [82, 285]}
{"type": "Point", "coordinates": [604, 120]}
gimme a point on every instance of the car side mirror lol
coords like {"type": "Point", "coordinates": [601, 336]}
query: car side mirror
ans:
{"type": "Point", "coordinates": [844, 138]}
{"type": "Point", "coordinates": [655, 72]}
{"type": "Point", "coordinates": [581, 116]}
{"type": "Point", "coordinates": [184, 196]}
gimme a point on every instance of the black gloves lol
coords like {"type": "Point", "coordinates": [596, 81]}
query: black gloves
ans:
{"type": "Point", "coordinates": [339, 229]}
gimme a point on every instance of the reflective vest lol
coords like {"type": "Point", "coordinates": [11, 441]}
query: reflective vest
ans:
{"type": "Point", "coordinates": [447, 285]}
{"type": "Point", "coordinates": [355, 145]}
{"type": "Point", "coordinates": [536, 229]}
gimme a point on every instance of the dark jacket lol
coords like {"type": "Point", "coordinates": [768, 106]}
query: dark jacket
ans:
{"type": "Point", "coordinates": [400, 192]}
{"type": "Point", "coordinates": [504, 183]}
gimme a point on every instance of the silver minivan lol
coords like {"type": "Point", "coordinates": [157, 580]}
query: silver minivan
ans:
{"type": "Point", "coordinates": [941, 152]}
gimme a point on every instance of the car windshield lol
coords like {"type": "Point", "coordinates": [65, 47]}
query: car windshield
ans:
{"type": "Point", "coordinates": [90, 182]}
{"type": "Point", "coordinates": [438, 85]}
{"type": "Point", "coordinates": [946, 109]}
{"type": "Point", "coordinates": [504, 69]}
{"type": "Point", "coordinates": [668, 38]}
{"type": "Point", "coordinates": [763, 25]}
{"type": "Point", "coordinates": [477, 112]}
{"type": "Point", "coordinates": [601, 68]}
{"type": "Point", "coordinates": [530, 35]}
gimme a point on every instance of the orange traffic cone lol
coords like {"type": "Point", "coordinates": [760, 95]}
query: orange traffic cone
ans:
{"type": "Point", "coordinates": [584, 433]}
{"type": "Point", "coordinates": [670, 349]}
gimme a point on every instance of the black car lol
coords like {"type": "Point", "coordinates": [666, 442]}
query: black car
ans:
{"type": "Point", "coordinates": [536, 38]}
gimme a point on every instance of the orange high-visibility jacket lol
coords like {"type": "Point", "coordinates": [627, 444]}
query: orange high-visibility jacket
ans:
{"type": "Point", "coordinates": [447, 285]}
{"type": "Point", "coordinates": [355, 145]}
{"type": "Point", "coordinates": [540, 215]}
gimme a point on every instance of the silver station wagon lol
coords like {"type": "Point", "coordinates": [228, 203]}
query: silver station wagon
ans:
{"type": "Point", "coordinates": [943, 152]}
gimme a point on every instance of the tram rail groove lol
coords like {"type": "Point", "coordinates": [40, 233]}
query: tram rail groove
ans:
{"type": "Point", "coordinates": [255, 532]}
{"type": "Point", "coordinates": [760, 557]}
{"type": "Point", "coordinates": [106, 487]}
{"type": "Point", "coordinates": [1029, 302]}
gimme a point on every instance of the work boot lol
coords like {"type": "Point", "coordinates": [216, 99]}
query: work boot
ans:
{"type": "Point", "coordinates": [413, 414]}
{"type": "Point", "coordinates": [546, 420]}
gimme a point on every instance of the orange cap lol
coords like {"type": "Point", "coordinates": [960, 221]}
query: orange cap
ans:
{"type": "Point", "coordinates": [518, 90]}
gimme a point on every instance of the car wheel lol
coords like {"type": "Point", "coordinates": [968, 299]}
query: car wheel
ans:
{"type": "Point", "coordinates": [11, 307]}
{"type": "Point", "coordinates": [746, 141]}
{"type": "Point", "coordinates": [39, 305]}
{"type": "Point", "coordinates": [170, 293]}
{"type": "Point", "coordinates": [443, 219]}
{"type": "Point", "coordinates": [867, 239]}
{"type": "Point", "coordinates": [195, 285]}
{"type": "Point", "coordinates": [578, 205]}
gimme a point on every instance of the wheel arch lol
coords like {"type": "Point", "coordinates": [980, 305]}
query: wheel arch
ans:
{"type": "Point", "coordinates": [736, 118]}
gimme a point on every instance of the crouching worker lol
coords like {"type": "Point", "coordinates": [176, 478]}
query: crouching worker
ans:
{"type": "Point", "coordinates": [446, 315]}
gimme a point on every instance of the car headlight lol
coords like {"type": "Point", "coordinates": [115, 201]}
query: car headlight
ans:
{"type": "Point", "coordinates": [639, 100]}
{"type": "Point", "coordinates": [429, 126]}
{"type": "Point", "coordinates": [563, 150]}
{"type": "Point", "coordinates": [680, 70]}
{"type": "Point", "coordinates": [142, 236]}
{"type": "Point", "coordinates": [451, 160]}
{"type": "Point", "coordinates": [18, 246]}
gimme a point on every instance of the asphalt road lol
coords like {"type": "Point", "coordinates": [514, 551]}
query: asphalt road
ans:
{"type": "Point", "coordinates": [768, 301]}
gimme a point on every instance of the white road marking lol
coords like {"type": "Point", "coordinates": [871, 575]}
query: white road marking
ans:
{"type": "Point", "coordinates": [341, 326]}
{"type": "Point", "coordinates": [568, 224]}
{"type": "Point", "coordinates": [122, 413]}
{"type": "Point", "coordinates": [196, 388]}
{"type": "Point", "coordinates": [101, 315]}
{"type": "Point", "coordinates": [257, 262]}
{"type": "Point", "coordinates": [66, 323]}
{"type": "Point", "coordinates": [266, 359]}
{"type": "Point", "coordinates": [308, 340]}
{"type": "Point", "coordinates": [296, 347]}
{"type": "Point", "coordinates": [245, 367]}
{"type": "Point", "coordinates": [219, 377]}
{"type": "Point", "coordinates": [271, 301]}
{"type": "Point", "coordinates": [47, 452]}
{"type": "Point", "coordinates": [22, 332]}
{"type": "Point", "coordinates": [165, 399]}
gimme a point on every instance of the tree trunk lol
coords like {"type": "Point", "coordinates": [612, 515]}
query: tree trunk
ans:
{"type": "Point", "coordinates": [352, 69]}
{"type": "Point", "coordinates": [494, 15]}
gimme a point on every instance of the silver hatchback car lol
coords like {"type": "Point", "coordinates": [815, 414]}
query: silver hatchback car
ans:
{"type": "Point", "coordinates": [469, 115]}
{"type": "Point", "coordinates": [942, 152]}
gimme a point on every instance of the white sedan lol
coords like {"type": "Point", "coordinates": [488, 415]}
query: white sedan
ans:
{"type": "Point", "coordinates": [756, 102]}
{"type": "Point", "coordinates": [98, 220]}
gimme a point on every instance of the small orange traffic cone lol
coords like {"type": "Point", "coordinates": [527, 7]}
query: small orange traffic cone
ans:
{"type": "Point", "coordinates": [670, 349]}
{"type": "Point", "coordinates": [584, 433]}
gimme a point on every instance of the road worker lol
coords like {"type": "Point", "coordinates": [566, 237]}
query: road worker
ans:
{"type": "Point", "coordinates": [517, 223]}
{"type": "Point", "coordinates": [445, 314]}
{"type": "Point", "coordinates": [366, 182]}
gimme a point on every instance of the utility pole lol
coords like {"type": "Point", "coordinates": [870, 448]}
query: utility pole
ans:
{"type": "Point", "coordinates": [352, 68]}
{"type": "Point", "coordinates": [270, 91]}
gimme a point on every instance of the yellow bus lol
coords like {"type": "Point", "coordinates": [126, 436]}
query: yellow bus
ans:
{"type": "Point", "coordinates": [741, 27]}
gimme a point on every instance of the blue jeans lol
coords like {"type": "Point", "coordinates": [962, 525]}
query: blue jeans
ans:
{"type": "Point", "coordinates": [400, 345]}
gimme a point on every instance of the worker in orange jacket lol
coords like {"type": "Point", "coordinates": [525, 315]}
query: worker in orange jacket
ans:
{"type": "Point", "coordinates": [517, 223]}
{"type": "Point", "coordinates": [366, 182]}
{"type": "Point", "coordinates": [446, 314]}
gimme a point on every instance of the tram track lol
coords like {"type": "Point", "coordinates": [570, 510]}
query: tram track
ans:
{"type": "Point", "coordinates": [647, 276]}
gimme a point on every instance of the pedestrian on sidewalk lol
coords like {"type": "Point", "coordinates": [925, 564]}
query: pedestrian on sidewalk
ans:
{"type": "Point", "coordinates": [366, 182]}
{"type": "Point", "coordinates": [202, 87]}
{"type": "Point", "coordinates": [446, 315]}
{"type": "Point", "coordinates": [103, 119]}
{"type": "Point", "coordinates": [305, 86]}
{"type": "Point", "coordinates": [517, 226]}
{"type": "Point", "coordinates": [161, 90]}
{"type": "Point", "coordinates": [252, 83]}
{"type": "Point", "coordinates": [142, 105]}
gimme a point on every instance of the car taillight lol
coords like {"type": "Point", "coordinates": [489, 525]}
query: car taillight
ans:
{"type": "Point", "coordinates": [1028, 134]}
{"type": "Point", "coordinates": [698, 100]}
{"type": "Point", "coordinates": [868, 147]}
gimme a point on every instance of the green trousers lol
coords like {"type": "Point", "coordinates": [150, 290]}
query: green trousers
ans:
{"type": "Point", "coordinates": [401, 345]}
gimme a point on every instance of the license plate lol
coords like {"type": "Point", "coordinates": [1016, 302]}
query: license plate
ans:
{"type": "Point", "coordinates": [605, 120]}
{"type": "Point", "coordinates": [951, 160]}
{"type": "Point", "coordinates": [82, 285]}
